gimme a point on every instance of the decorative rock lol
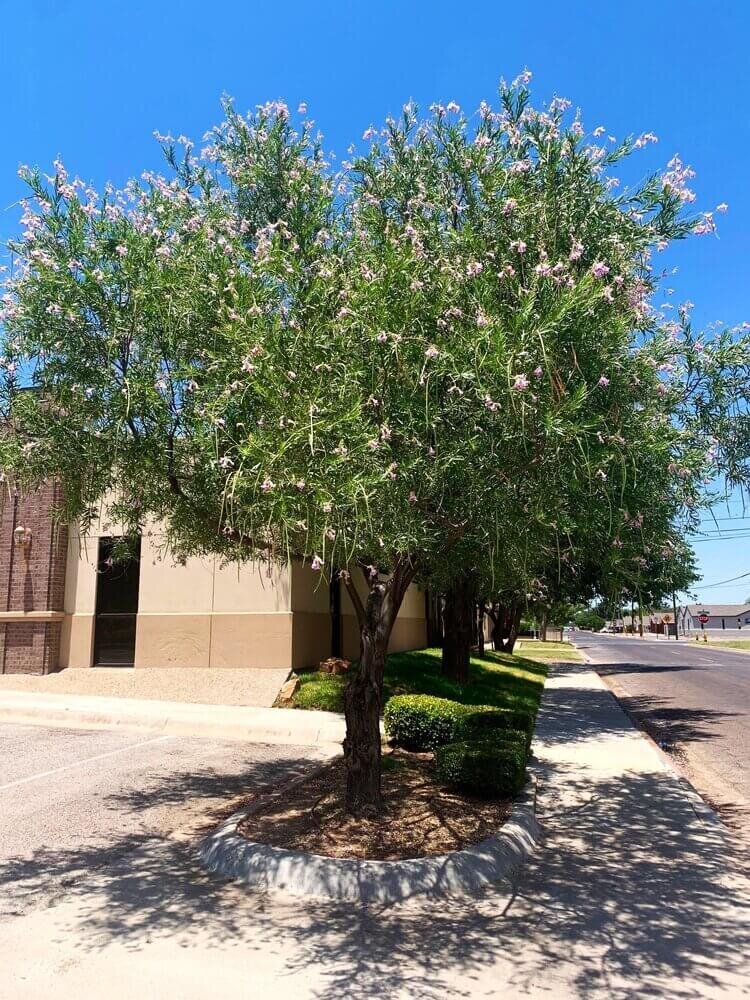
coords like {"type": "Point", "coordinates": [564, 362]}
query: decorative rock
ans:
{"type": "Point", "coordinates": [288, 690]}
{"type": "Point", "coordinates": [334, 665]}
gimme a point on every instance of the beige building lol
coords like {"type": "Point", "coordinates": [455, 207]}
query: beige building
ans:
{"type": "Point", "coordinates": [156, 613]}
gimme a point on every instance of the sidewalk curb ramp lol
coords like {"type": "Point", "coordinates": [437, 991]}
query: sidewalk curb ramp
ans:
{"type": "Point", "coordinates": [285, 727]}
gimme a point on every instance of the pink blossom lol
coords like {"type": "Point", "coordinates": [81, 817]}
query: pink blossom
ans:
{"type": "Point", "coordinates": [302, 109]}
{"type": "Point", "coordinates": [452, 106]}
{"type": "Point", "coordinates": [474, 268]}
{"type": "Point", "coordinates": [518, 245]}
{"type": "Point", "coordinates": [523, 78]}
{"type": "Point", "coordinates": [266, 486]}
{"type": "Point", "coordinates": [431, 352]}
{"type": "Point", "coordinates": [316, 564]}
{"type": "Point", "coordinates": [369, 133]}
{"type": "Point", "coordinates": [300, 484]}
{"type": "Point", "coordinates": [382, 338]}
{"type": "Point", "coordinates": [412, 497]}
{"type": "Point", "coordinates": [599, 269]}
{"type": "Point", "coordinates": [576, 250]}
{"type": "Point", "coordinates": [520, 382]}
{"type": "Point", "coordinates": [723, 207]}
{"type": "Point", "coordinates": [538, 372]}
{"type": "Point", "coordinates": [706, 225]}
{"type": "Point", "coordinates": [603, 381]}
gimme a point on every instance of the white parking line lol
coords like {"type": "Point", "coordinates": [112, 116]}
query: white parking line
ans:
{"type": "Point", "coordinates": [78, 763]}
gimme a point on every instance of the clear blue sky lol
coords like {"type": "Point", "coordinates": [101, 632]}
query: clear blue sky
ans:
{"type": "Point", "coordinates": [90, 80]}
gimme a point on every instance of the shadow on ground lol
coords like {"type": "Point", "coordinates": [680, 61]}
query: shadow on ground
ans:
{"type": "Point", "coordinates": [642, 916]}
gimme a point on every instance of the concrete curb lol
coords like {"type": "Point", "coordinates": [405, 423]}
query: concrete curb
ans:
{"type": "Point", "coordinates": [298, 873]}
{"type": "Point", "coordinates": [285, 727]}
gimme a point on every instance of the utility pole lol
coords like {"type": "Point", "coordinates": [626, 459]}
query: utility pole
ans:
{"type": "Point", "coordinates": [674, 608]}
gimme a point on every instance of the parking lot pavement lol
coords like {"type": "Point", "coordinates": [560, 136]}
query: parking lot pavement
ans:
{"type": "Point", "coordinates": [60, 788]}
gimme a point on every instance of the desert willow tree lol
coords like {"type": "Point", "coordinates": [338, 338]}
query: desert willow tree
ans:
{"type": "Point", "coordinates": [375, 371]}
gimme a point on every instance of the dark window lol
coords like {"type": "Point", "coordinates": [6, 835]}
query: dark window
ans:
{"type": "Point", "coordinates": [116, 607]}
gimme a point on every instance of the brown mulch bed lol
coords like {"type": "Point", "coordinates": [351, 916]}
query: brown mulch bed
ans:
{"type": "Point", "coordinates": [421, 817]}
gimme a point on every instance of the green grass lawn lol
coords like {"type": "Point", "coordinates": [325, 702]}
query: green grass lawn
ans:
{"type": "Point", "coordinates": [496, 679]}
{"type": "Point", "coordinates": [730, 644]}
{"type": "Point", "coordinates": [535, 649]}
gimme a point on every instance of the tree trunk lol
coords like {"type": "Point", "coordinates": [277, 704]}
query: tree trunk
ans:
{"type": "Point", "coordinates": [363, 693]}
{"type": "Point", "coordinates": [362, 710]}
{"type": "Point", "coordinates": [493, 613]}
{"type": "Point", "coordinates": [480, 629]}
{"type": "Point", "coordinates": [458, 615]}
{"type": "Point", "coordinates": [510, 628]}
{"type": "Point", "coordinates": [543, 626]}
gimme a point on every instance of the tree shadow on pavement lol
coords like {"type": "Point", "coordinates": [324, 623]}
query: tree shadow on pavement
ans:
{"type": "Point", "coordinates": [664, 720]}
{"type": "Point", "coordinates": [648, 914]}
{"type": "Point", "coordinates": [613, 669]}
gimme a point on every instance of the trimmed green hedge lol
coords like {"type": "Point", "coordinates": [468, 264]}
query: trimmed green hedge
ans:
{"type": "Point", "coordinates": [495, 768]}
{"type": "Point", "coordinates": [485, 723]}
{"type": "Point", "coordinates": [421, 721]}
{"type": "Point", "coordinates": [424, 723]}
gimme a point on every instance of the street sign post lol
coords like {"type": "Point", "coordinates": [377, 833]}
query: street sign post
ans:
{"type": "Point", "coordinates": [703, 618]}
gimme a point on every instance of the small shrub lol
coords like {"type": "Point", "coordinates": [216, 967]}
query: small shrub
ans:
{"type": "Point", "coordinates": [493, 767]}
{"type": "Point", "coordinates": [484, 723]}
{"type": "Point", "coordinates": [422, 722]}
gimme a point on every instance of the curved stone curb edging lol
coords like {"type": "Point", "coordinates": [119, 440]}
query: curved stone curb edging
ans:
{"type": "Point", "coordinates": [298, 873]}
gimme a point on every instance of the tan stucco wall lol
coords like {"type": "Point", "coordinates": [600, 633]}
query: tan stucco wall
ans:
{"type": "Point", "coordinates": [206, 614]}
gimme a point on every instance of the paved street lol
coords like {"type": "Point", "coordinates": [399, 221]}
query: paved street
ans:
{"type": "Point", "coordinates": [695, 698]}
{"type": "Point", "coordinates": [633, 893]}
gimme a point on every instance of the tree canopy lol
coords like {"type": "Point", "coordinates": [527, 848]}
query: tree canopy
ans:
{"type": "Point", "coordinates": [443, 355]}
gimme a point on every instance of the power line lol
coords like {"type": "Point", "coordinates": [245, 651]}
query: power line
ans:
{"type": "Point", "coordinates": [719, 538]}
{"type": "Point", "coordinates": [721, 583]}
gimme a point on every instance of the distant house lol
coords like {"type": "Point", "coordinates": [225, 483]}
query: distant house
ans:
{"type": "Point", "coordinates": [721, 617]}
{"type": "Point", "coordinates": [657, 622]}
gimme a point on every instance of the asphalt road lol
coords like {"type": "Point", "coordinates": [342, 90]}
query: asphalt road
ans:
{"type": "Point", "coordinates": [694, 699]}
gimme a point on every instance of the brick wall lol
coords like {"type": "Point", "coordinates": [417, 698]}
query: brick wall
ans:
{"type": "Point", "coordinates": [32, 580]}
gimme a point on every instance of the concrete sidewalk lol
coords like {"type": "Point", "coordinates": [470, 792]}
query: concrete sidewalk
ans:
{"type": "Point", "coordinates": [257, 686]}
{"type": "Point", "coordinates": [636, 892]}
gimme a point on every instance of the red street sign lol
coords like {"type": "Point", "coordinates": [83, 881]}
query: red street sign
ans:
{"type": "Point", "coordinates": [703, 619]}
